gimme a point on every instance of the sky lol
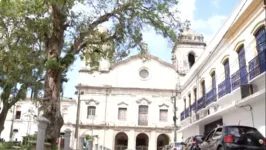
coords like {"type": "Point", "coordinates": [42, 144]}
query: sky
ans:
{"type": "Point", "coordinates": [206, 17]}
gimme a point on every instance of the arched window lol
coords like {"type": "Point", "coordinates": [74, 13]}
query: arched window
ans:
{"type": "Point", "coordinates": [213, 80]}
{"type": "Point", "coordinates": [189, 100]}
{"type": "Point", "coordinates": [195, 95]}
{"type": "Point", "coordinates": [191, 59]}
{"type": "Point", "coordinates": [227, 75]}
{"type": "Point", "coordinates": [242, 65]}
{"type": "Point", "coordinates": [261, 47]}
{"type": "Point", "coordinates": [260, 39]}
{"type": "Point", "coordinates": [185, 104]}
{"type": "Point", "coordinates": [203, 90]}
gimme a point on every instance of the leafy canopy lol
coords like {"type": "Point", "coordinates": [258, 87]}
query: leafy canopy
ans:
{"type": "Point", "coordinates": [97, 28]}
{"type": "Point", "coordinates": [21, 58]}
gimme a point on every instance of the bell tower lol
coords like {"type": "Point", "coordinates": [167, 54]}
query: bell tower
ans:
{"type": "Point", "coordinates": [188, 47]}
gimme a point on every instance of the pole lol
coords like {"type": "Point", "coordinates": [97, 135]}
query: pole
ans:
{"type": "Point", "coordinates": [12, 124]}
{"type": "Point", "coordinates": [174, 97]}
{"type": "Point", "coordinates": [105, 113]}
{"type": "Point", "coordinates": [77, 120]}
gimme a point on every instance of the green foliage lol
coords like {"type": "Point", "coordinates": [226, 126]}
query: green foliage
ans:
{"type": "Point", "coordinates": [89, 137]}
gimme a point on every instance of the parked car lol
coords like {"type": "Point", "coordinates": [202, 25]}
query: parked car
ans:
{"type": "Point", "coordinates": [176, 146]}
{"type": "Point", "coordinates": [234, 138]}
{"type": "Point", "coordinates": [192, 143]}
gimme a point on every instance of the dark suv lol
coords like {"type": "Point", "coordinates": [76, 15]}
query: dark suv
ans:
{"type": "Point", "coordinates": [234, 138]}
{"type": "Point", "coordinates": [192, 143]}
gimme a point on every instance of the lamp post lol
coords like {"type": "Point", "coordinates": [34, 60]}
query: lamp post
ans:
{"type": "Point", "coordinates": [79, 92]}
{"type": "Point", "coordinates": [30, 115]}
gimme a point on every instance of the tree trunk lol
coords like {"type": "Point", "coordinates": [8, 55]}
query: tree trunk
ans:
{"type": "Point", "coordinates": [3, 115]}
{"type": "Point", "coordinates": [52, 88]}
{"type": "Point", "coordinates": [51, 105]}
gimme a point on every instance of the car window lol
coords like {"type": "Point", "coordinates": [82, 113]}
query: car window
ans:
{"type": "Point", "coordinates": [178, 145]}
{"type": "Point", "coordinates": [210, 135]}
{"type": "Point", "coordinates": [246, 136]}
{"type": "Point", "coordinates": [198, 138]}
{"type": "Point", "coordinates": [217, 134]}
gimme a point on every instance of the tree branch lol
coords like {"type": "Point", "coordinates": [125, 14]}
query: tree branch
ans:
{"type": "Point", "coordinates": [79, 41]}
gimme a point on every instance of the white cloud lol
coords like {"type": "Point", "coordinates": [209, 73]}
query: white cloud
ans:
{"type": "Point", "coordinates": [210, 26]}
{"type": "Point", "coordinates": [206, 27]}
{"type": "Point", "coordinates": [158, 45]}
{"type": "Point", "coordinates": [187, 9]}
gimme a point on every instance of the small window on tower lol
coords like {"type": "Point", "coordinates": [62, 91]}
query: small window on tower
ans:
{"type": "Point", "coordinates": [191, 59]}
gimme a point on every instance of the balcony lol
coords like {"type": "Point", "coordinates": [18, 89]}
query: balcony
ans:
{"type": "Point", "coordinates": [201, 103]}
{"type": "Point", "coordinates": [193, 107]}
{"type": "Point", "coordinates": [211, 97]}
{"type": "Point", "coordinates": [240, 77]}
{"type": "Point", "coordinates": [257, 65]}
{"type": "Point", "coordinates": [224, 88]}
{"type": "Point", "coordinates": [182, 116]}
{"type": "Point", "coordinates": [187, 112]}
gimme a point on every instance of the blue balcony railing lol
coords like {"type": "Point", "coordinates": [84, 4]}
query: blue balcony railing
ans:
{"type": "Point", "coordinates": [240, 77]}
{"type": "Point", "coordinates": [182, 116]}
{"type": "Point", "coordinates": [187, 112]}
{"type": "Point", "coordinates": [211, 96]}
{"type": "Point", "coordinates": [201, 103]}
{"type": "Point", "coordinates": [193, 107]}
{"type": "Point", "coordinates": [257, 65]}
{"type": "Point", "coordinates": [235, 80]}
{"type": "Point", "coordinates": [224, 88]}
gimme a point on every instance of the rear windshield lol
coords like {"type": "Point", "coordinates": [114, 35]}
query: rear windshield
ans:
{"type": "Point", "coordinates": [178, 145]}
{"type": "Point", "coordinates": [246, 136]}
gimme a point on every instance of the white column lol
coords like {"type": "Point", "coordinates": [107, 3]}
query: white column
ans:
{"type": "Point", "coordinates": [81, 141]}
{"type": "Point", "coordinates": [90, 144]}
{"type": "Point", "coordinates": [152, 141]}
{"type": "Point", "coordinates": [42, 125]}
{"type": "Point", "coordinates": [131, 140]}
{"type": "Point", "coordinates": [67, 139]}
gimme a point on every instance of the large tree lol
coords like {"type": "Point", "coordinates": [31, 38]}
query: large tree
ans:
{"type": "Point", "coordinates": [21, 62]}
{"type": "Point", "coordinates": [66, 32]}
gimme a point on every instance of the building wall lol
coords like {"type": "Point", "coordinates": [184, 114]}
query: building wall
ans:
{"type": "Point", "coordinates": [131, 136]}
{"type": "Point", "coordinates": [228, 48]}
{"type": "Point", "coordinates": [127, 75]}
{"type": "Point", "coordinates": [132, 104]}
{"type": "Point", "coordinates": [181, 53]}
{"type": "Point", "coordinates": [238, 30]}
{"type": "Point", "coordinates": [243, 116]}
{"type": "Point", "coordinates": [28, 125]}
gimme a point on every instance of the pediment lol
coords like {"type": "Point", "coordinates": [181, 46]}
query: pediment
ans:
{"type": "Point", "coordinates": [163, 106]}
{"type": "Point", "coordinates": [143, 101]}
{"type": "Point", "coordinates": [91, 102]}
{"type": "Point", "coordinates": [122, 104]}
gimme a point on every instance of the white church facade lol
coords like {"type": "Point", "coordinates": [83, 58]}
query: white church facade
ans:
{"type": "Point", "coordinates": [129, 103]}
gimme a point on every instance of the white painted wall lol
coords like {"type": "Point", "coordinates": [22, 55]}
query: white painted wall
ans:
{"type": "Point", "coordinates": [26, 126]}
{"type": "Point", "coordinates": [127, 75]}
{"type": "Point", "coordinates": [244, 116]}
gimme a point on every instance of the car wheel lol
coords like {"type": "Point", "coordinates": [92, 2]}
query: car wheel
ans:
{"type": "Point", "coordinates": [220, 148]}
